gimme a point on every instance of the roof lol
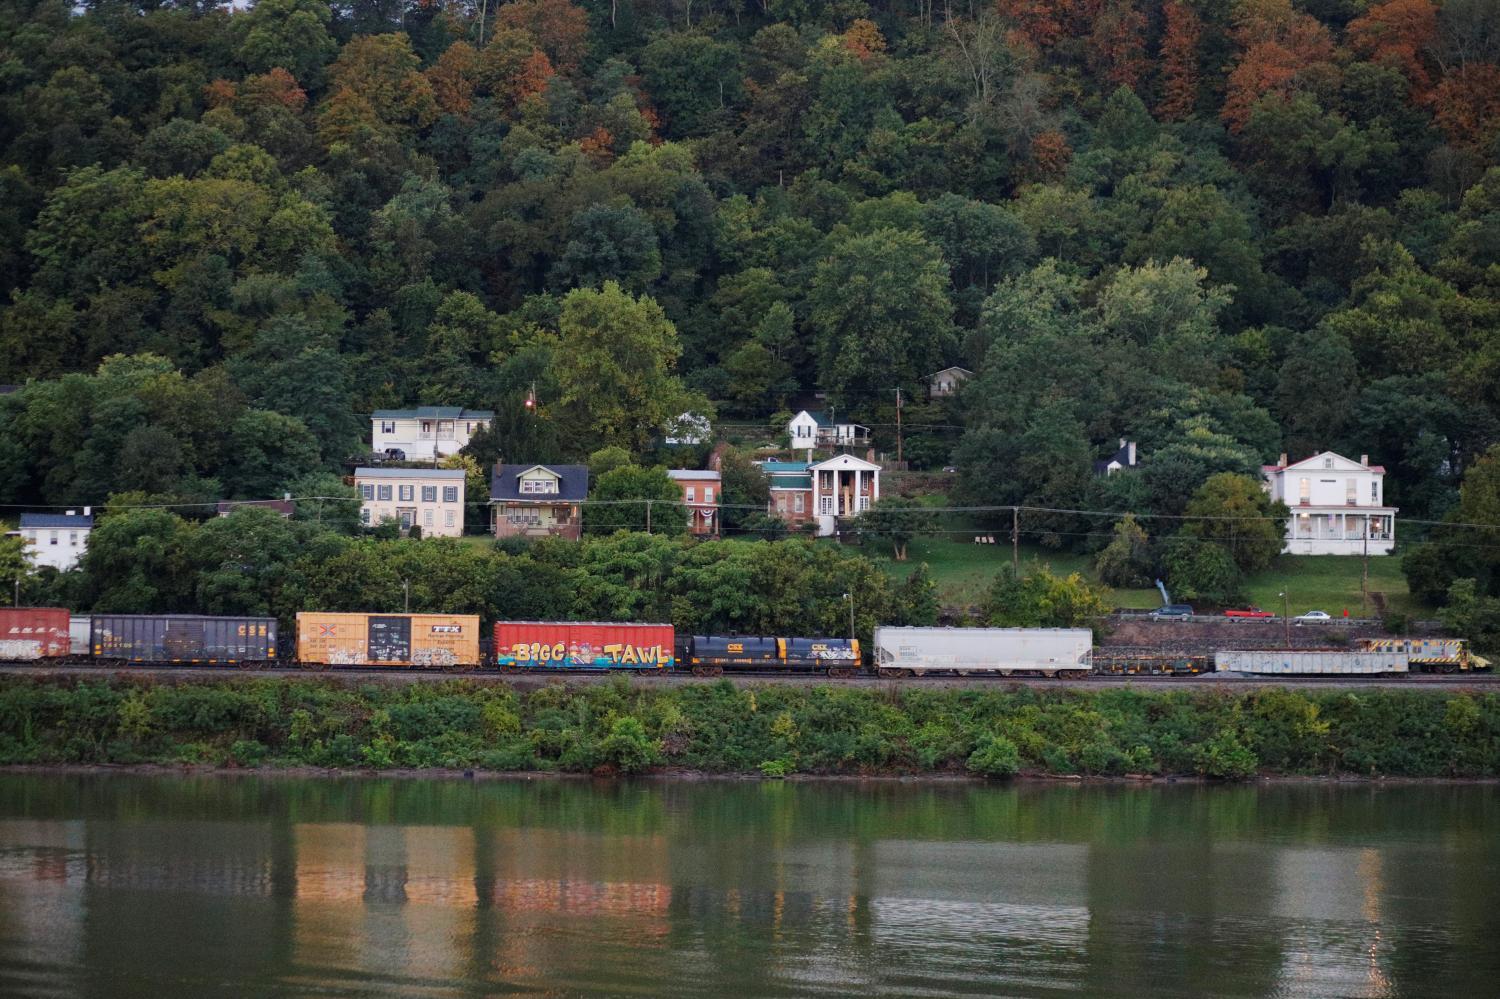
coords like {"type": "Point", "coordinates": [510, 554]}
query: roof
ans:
{"type": "Point", "coordinates": [816, 415]}
{"type": "Point", "coordinates": [409, 473]}
{"type": "Point", "coordinates": [846, 461]}
{"type": "Point", "coordinates": [783, 467]}
{"type": "Point", "coordinates": [793, 482]}
{"type": "Point", "coordinates": [573, 483]}
{"type": "Point", "coordinates": [692, 474]}
{"type": "Point", "coordinates": [955, 369]}
{"type": "Point", "coordinates": [433, 413]}
{"type": "Point", "coordinates": [1378, 469]}
{"type": "Point", "coordinates": [284, 507]}
{"type": "Point", "coordinates": [73, 520]}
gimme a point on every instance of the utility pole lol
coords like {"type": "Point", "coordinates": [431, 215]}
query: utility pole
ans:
{"type": "Point", "coordinates": [898, 424]}
{"type": "Point", "coordinates": [1364, 575]}
{"type": "Point", "coordinates": [1286, 621]}
{"type": "Point", "coordinates": [850, 597]}
{"type": "Point", "coordinates": [1015, 539]}
{"type": "Point", "coordinates": [17, 601]}
{"type": "Point", "coordinates": [406, 589]}
{"type": "Point", "coordinates": [648, 516]}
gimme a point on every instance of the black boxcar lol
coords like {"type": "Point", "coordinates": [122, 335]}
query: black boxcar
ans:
{"type": "Point", "coordinates": [184, 638]}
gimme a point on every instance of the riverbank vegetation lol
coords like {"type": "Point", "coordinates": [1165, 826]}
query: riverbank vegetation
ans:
{"type": "Point", "coordinates": [773, 730]}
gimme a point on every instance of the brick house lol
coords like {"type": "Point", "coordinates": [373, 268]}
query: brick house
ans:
{"type": "Point", "coordinates": [700, 495]}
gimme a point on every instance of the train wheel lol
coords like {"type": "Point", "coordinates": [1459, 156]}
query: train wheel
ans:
{"type": "Point", "coordinates": [510, 669]}
{"type": "Point", "coordinates": [841, 672]}
{"type": "Point", "coordinates": [1050, 674]}
{"type": "Point", "coordinates": [892, 672]}
{"type": "Point", "coordinates": [708, 670]}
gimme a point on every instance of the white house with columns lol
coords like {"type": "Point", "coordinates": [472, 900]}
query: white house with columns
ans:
{"type": "Point", "coordinates": [1337, 504]}
{"type": "Point", "coordinates": [842, 486]}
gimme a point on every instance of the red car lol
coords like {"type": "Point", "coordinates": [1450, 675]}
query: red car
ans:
{"type": "Point", "coordinates": [1254, 612]}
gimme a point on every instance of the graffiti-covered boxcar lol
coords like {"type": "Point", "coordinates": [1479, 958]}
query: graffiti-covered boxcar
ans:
{"type": "Point", "coordinates": [522, 645]}
{"type": "Point", "coordinates": [28, 633]}
{"type": "Point", "coordinates": [433, 640]}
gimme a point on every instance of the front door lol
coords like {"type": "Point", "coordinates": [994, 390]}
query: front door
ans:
{"type": "Point", "coordinates": [408, 515]}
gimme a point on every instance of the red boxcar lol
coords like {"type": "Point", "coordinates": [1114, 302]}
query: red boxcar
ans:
{"type": "Point", "coordinates": [33, 633]}
{"type": "Point", "coordinates": [577, 645]}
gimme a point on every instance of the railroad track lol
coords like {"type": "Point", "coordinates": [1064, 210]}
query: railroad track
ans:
{"type": "Point", "coordinates": [531, 680]}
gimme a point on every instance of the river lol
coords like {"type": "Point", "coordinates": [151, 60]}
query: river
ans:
{"type": "Point", "coordinates": [117, 885]}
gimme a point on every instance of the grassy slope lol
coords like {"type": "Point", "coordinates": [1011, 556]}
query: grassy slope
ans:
{"type": "Point", "coordinates": [963, 570]}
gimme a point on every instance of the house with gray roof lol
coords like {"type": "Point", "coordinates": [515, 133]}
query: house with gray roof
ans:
{"type": "Point", "coordinates": [426, 432]}
{"type": "Point", "coordinates": [535, 501]}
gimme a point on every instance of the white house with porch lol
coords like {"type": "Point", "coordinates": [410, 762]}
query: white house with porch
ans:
{"type": "Point", "coordinates": [811, 429]}
{"type": "Point", "coordinates": [843, 486]}
{"type": "Point", "coordinates": [1337, 505]}
{"type": "Point", "coordinates": [426, 432]}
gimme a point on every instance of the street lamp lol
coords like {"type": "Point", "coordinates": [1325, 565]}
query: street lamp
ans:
{"type": "Point", "coordinates": [850, 597]}
{"type": "Point", "coordinates": [1286, 620]}
{"type": "Point", "coordinates": [406, 589]}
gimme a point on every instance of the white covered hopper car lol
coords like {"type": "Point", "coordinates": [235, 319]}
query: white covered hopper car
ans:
{"type": "Point", "coordinates": [998, 651]}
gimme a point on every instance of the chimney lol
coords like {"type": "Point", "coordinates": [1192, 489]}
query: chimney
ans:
{"type": "Point", "coordinates": [286, 497]}
{"type": "Point", "coordinates": [88, 511]}
{"type": "Point", "coordinates": [1131, 456]}
{"type": "Point", "coordinates": [1281, 461]}
{"type": "Point", "coordinates": [1122, 442]}
{"type": "Point", "coordinates": [1364, 460]}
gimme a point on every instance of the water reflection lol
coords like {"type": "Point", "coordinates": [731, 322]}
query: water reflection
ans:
{"type": "Point", "coordinates": [163, 886]}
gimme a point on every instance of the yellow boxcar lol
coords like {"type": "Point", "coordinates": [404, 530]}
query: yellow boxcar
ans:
{"type": "Point", "coordinates": [388, 639]}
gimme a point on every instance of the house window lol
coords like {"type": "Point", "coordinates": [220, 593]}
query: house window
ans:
{"type": "Point", "coordinates": [448, 518]}
{"type": "Point", "coordinates": [1304, 490]}
{"type": "Point", "coordinates": [54, 537]}
{"type": "Point", "coordinates": [692, 494]}
{"type": "Point", "coordinates": [405, 493]}
{"type": "Point", "coordinates": [364, 516]}
{"type": "Point", "coordinates": [450, 494]}
{"type": "Point", "coordinates": [73, 538]}
{"type": "Point", "coordinates": [445, 430]}
{"type": "Point", "coordinates": [383, 493]}
{"type": "Point", "coordinates": [781, 504]}
{"type": "Point", "coordinates": [538, 485]}
{"type": "Point", "coordinates": [429, 494]}
{"type": "Point", "coordinates": [367, 492]}
{"type": "Point", "coordinates": [827, 505]}
{"type": "Point", "coordinates": [1351, 492]}
{"type": "Point", "coordinates": [1327, 462]}
{"type": "Point", "coordinates": [708, 494]}
{"type": "Point", "coordinates": [427, 518]}
{"type": "Point", "coordinates": [387, 426]}
{"type": "Point", "coordinates": [797, 503]}
{"type": "Point", "coordinates": [426, 426]}
{"type": "Point", "coordinates": [1375, 493]}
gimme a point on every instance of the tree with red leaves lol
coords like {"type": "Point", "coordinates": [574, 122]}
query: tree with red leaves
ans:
{"type": "Point", "coordinates": [1399, 33]}
{"type": "Point", "coordinates": [1117, 45]}
{"type": "Point", "coordinates": [1179, 58]}
{"type": "Point", "coordinates": [1466, 105]}
{"type": "Point", "coordinates": [1281, 47]}
{"type": "Point", "coordinates": [560, 29]}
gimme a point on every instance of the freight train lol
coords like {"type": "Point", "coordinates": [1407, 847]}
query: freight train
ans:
{"type": "Point", "coordinates": [453, 641]}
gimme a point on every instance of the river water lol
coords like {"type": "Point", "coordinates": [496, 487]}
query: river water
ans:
{"type": "Point", "coordinates": [116, 885]}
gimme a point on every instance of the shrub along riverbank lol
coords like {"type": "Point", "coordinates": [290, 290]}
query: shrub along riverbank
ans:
{"type": "Point", "coordinates": [775, 730]}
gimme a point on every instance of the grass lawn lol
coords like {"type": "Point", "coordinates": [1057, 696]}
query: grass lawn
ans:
{"type": "Point", "coordinates": [963, 571]}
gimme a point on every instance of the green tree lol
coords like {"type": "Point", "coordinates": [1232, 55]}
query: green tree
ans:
{"type": "Point", "coordinates": [1234, 511]}
{"type": "Point", "coordinates": [1039, 599]}
{"type": "Point", "coordinates": [614, 368]}
{"type": "Point", "coordinates": [1126, 560]}
{"type": "Point", "coordinates": [270, 450]}
{"type": "Point", "coordinates": [895, 521]}
{"type": "Point", "coordinates": [880, 316]}
{"type": "Point", "coordinates": [619, 501]}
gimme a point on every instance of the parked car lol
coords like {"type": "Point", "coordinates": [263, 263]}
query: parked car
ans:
{"type": "Point", "coordinates": [1312, 617]}
{"type": "Point", "coordinates": [389, 454]}
{"type": "Point", "coordinates": [1248, 612]}
{"type": "Point", "coordinates": [1168, 612]}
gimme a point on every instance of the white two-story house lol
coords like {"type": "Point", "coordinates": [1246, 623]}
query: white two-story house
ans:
{"type": "Point", "coordinates": [56, 539]}
{"type": "Point", "coordinates": [429, 498]}
{"type": "Point", "coordinates": [809, 430]}
{"type": "Point", "coordinates": [426, 432]}
{"type": "Point", "coordinates": [1338, 505]}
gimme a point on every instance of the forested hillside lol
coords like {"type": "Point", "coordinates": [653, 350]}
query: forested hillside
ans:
{"type": "Point", "coordinates": [1221, 229]}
